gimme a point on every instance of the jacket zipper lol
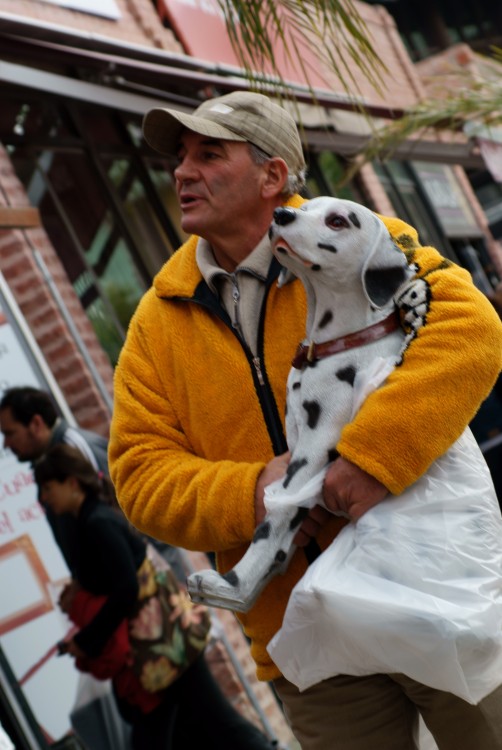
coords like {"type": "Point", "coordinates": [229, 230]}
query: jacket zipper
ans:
{"type": "Point", "coordinates": [262, 385]}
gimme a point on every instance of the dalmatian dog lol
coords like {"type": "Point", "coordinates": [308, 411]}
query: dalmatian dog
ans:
{"type": "Point", "coordinates": [352, 272]}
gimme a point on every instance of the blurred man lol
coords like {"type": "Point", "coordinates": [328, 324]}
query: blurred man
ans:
{"type": "Point", "coordinates": [30, 425]}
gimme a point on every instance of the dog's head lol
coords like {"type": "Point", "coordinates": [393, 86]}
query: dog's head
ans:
{"type": "Point", "coordinates": [341, 241]}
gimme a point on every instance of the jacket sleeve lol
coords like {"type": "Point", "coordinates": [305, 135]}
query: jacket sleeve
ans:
{"type": "Point", "coordinates": [449, 367]}
{"type": "Point", "coordinates": [163, 487]}
{"type": "Point", "coordinates": [107, 543]}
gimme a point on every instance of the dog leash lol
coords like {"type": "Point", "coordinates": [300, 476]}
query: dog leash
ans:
{"type": "Point", "coordinates": [308, 353]}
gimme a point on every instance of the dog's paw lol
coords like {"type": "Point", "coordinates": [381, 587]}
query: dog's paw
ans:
{"type": "Point", "coordinates": [212, 589]}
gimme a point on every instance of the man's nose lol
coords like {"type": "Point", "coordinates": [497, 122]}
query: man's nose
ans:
{"type": "Point", "coordinates": [185, 169]}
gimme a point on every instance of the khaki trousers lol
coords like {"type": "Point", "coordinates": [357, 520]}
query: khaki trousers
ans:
{"type": "Point", "coordinates": [380, 712]}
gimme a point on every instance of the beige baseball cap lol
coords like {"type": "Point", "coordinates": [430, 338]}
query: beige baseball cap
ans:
{"type": "Point", "coordinates": [239, 116]}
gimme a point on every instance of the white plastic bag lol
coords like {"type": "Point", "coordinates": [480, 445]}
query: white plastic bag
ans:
{"type": "Point", "coordinates": [414, 587]}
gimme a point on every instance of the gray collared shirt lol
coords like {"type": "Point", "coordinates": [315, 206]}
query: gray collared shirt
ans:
{"type": "Point", "coordinates": [240, 292]}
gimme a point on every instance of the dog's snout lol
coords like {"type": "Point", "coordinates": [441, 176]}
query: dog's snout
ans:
{"type": "Point", "coordinates": [283, 216]}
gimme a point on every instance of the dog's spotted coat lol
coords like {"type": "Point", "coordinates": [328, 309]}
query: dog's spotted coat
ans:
{"type": "Point", "coordinates": [354, 275]}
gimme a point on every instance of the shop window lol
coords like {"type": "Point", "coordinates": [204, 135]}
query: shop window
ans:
{"type": "Point", "coordinates": [145, 225]}
{"type": "Point", "coordinates": [105, 207]}
{"type": "Point", "coordinates": [325, 174]}
{"type": "Point", "coordinates": [475, 257]}
{"type": "Point", "coordinates": [489, 194]}
{"type": "Point", "coordinates": [410, 204]}
{"type": "Point", "coordinates": [160, 174]}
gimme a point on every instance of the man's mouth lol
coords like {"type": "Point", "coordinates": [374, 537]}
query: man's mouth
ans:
{"type": "Point", "coordinates": [188, 199]}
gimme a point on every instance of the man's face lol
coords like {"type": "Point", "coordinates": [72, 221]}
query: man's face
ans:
{"type": "Point", "coordinates": [218, 186]}
{"type": "Point", "coordinates": [27, 442]}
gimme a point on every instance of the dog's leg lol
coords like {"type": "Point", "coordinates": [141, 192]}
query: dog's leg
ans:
{"type": "Point", "coordinates": [272, 545]}
{"type": "Point", "coordinates": [268, 554]}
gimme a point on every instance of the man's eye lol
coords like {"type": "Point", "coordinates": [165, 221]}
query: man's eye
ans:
{"type": "Point", "coordinates": [335, 221]}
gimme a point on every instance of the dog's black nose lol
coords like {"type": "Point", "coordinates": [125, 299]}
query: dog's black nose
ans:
{"type": "Point", "coordinates": [283, 216]}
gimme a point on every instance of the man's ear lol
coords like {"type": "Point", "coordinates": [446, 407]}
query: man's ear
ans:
{"type": "Point", "coordinates": [276, 174]}
{"type": "Point", "coordinates": [38, 427]}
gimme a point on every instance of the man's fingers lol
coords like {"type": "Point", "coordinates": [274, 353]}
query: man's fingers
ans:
{"type": "Point", "coordinates": [311, 525]}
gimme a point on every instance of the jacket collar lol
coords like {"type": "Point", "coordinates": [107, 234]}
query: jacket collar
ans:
{"type": "Point", "coordinates": [180, 276]}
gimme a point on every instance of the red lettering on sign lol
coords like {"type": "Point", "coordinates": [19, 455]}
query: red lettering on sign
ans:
{"type": "Point", "coordinates": [5, 525]}
{"type": "Point", "coordinates": [31, 513]}
{"type": "Point", "coordinates": [16, 485]}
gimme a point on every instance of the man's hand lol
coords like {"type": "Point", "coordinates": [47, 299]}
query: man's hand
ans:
{"type": "Point", "coordinates": [71, 648]}
{"type": "Point", "coordinates": [275, 469]}
{"type": "Point", "coordinates": [67, 596]}
{"type": "Point", "coordinates": [350, 491]}
{"type": "Point", "coordinates": [311, 525]}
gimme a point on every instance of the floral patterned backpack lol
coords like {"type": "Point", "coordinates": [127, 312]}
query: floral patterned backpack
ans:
{"type": "Point", "coordinates": [167, 632]}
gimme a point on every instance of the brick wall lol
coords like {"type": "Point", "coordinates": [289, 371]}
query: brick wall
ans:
{"type": "Point", "coordinates": [18, 263]}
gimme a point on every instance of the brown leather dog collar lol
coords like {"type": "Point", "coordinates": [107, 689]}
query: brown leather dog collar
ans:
{"type": "Point", "coordinates": [306, 354]}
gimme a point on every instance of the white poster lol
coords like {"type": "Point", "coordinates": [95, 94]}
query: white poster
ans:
{"type": "Point", "coordinates": [106, 8]}
{"type": "Point", "coordinates": [32, 569]}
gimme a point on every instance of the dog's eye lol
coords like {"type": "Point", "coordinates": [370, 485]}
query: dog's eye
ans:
{"type": "Point", "coordinates": [335, 221]}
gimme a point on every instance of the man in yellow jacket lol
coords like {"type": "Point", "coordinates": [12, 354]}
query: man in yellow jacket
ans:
{"type": "Point", "coordinates": [197, 430]}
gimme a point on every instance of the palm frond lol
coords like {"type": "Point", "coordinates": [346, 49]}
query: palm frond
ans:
{"type": "Point", "coordinates": [333, 29]}
{"type": "Point", "coordinates": [466, 104]}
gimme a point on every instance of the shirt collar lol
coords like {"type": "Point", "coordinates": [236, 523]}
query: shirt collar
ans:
{"type": "Point", "coordinates": [256, 263]}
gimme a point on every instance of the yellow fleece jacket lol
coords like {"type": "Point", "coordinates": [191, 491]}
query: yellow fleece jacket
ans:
{"type": "Point", "coordinates": [188, 434]}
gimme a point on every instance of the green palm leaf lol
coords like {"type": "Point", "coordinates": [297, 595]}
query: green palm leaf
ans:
{"type": "Point", "coordinates": [333, 29]}
{"type": "Point", "coordinates": [467, 101]}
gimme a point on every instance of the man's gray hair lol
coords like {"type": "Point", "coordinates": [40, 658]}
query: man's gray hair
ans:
{"type": "Point", "coordinates": [294, 182]}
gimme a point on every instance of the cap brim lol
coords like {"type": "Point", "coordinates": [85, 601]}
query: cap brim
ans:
{"type": "Point", "coordinates": [162, 129]}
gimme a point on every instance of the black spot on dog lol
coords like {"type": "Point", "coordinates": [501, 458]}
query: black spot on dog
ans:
{"type": "Point", "coordinates": [326, 318]}
{"type": "Point", "coordinates": [296, 385]}
{"type": "Point", "coordinates": [313, 409]}
{"type": "Point", "coordinates": [330, 248]}
{"type": "Point", "coordinates": [262, 532]}
{"type": "Point", "coordinates": [280, 556]}
{"type": "Point", "coordinates": [273, 568]}
{"type": "Point", "coordinates": [381, 283]}
{"type": "Point", "coordinates": [347, 374]}
{"type": "Point", "coordinates": [316, 267]}
{"type": "Point", "coordinates": [293, 467]}
{"type": "Point", "coordinates": [231, 578]}
{"type": "Point", "coordinates": [332, 454]}
{"type": "Point", "coordinates": [355, 219]}
{"type": "Point", "coordinates": [299, 516]}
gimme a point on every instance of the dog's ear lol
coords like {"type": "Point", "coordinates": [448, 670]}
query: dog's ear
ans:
{"type": "Point", "coordinates": [384, 270]}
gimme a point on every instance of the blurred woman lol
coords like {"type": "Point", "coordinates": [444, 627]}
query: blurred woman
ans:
{"type": "Point", "coordinates": [110, 558]}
